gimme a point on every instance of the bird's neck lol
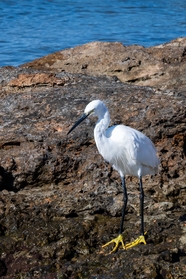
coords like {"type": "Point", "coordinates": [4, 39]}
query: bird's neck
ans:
{"type": "Point", "coordinates": [100, 129]}
{"type": "Point", "coordinates": [102, 123]}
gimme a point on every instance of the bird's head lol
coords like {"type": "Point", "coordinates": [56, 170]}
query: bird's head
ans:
{"type": "Point", "coordinates": [95, 107]}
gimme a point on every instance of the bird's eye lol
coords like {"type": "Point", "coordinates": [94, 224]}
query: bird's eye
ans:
{"type": "Point", "coordinates": [92, 111]}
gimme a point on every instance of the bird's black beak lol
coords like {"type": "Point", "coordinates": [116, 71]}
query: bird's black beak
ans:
{"type": "Point", "coordinates": [83, 117]}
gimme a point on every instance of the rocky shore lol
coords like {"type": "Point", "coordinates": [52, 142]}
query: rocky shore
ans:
{"type": "Point", "coordinates": [59, 201]}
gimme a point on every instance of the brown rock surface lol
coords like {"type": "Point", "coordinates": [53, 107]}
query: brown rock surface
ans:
{"type": "Point", "coordinates": [162, 66]}
{"type": "Point", "coordinates": [59, 201]}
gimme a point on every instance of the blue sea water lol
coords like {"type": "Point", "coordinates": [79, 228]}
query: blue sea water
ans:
{"type": "Point", "coordinates": [32, 29]}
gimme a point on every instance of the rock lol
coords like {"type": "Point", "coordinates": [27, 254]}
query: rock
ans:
{"type": "Point", "coordinates": [59, 201]}
{"type": "Point", "coordinates": [3, 268]}
{"type": "Point", "coordinates": [37, 79]}
{"type": "Point", "coordinates": [162, 66]}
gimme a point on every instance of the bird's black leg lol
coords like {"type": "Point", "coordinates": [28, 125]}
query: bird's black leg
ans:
{"type": "Point", "coordinates": [125, 199]}
{"type": "Point", "coordinates": [119, 239]}
{"type": "Point", "coordinates": [141, 206]}
{"type": "Point", "coordinates": [141, 238]}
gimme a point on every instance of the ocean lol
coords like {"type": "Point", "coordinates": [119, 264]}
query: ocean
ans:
{"type": "Point", "coordinates": [32, 29]}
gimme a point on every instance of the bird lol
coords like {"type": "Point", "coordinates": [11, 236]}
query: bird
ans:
{"type": "Point", "coordinates": [130, 152]}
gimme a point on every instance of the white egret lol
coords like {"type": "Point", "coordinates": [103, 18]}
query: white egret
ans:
{"type": "Point", "coordinates": [129, 151]}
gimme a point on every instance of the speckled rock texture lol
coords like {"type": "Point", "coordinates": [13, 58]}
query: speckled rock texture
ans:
{"type": "Point", "coordinates": [59, 201]}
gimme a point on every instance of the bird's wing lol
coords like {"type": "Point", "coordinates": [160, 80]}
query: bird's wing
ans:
{"type": "Point", "coordinates": [142, 150]}
{"type": "Point", "coordinates": [139, 147]}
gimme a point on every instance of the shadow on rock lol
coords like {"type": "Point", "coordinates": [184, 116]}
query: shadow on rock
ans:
{"type": "Point", "coordinates": [6, 180]}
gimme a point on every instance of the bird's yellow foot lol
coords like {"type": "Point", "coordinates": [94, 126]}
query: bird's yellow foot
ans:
{"type": "Point", "coordinates": [116, 240]}
{"type": "Point", "coordinates": [140, 239]}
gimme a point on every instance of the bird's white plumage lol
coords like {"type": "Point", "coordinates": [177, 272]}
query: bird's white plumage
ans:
{"type": "Point", "coordinates": [128, 150]}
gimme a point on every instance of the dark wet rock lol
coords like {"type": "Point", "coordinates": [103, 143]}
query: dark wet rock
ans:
{"type": "Point", "coordinates": [3, 268]}
{"type": "Point", "coordinates": [59, 200]}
